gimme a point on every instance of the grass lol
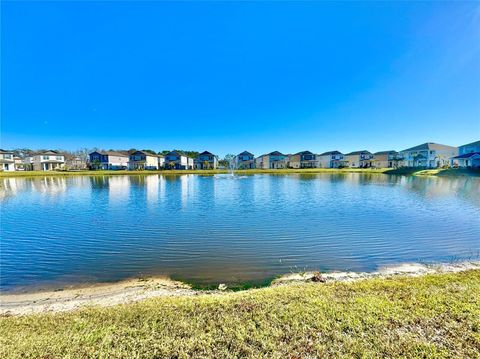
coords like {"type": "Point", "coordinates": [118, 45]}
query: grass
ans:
{"type": "Point", "coordinates": [399, 171]}
{"type": "Point", "coordinates": [433, 316]}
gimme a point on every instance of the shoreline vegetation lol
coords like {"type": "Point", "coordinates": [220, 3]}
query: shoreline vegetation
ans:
{"type": "Point", "coordinates": [411, 310]}
{"type": "Point", "coordinates": [449, 172]}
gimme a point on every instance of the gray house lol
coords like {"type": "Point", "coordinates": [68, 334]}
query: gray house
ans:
{"type": "Point", "coordinates": [206, 161]}
{"type": "Point", "coordinates": [109, 160]}
{"type": "Point", "coordinates": [244, 161]}
{"type": "Point", "coordinates": [468, 155]}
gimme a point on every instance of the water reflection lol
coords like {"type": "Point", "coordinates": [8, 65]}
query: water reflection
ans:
{"type": "Point", "coordinates": [221, 229]}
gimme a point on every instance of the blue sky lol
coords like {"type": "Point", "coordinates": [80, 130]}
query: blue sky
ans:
{"type": "Point", "coordinates": [230, 76]}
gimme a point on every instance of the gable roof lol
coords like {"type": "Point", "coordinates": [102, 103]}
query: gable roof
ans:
{"type": "Point", "coordinates": [145, 153]}
{"type": "Point", "coordinates": [111, 153]}
{"type": "Point", "coordinates": [206, 153]}
{"type": "Point", "coordinates": [331, 153]}
{"type": "Point", "coordinates": [304, 153]}
{"type": "Point", "coordinates": [386, 152]}
{"type": "Point", "coordinates": [358, 153]}
{"type": "Point", "coordinates": [476, 143]}
{"type": "Point", "coordinates": [177, 153]}
{"type": "Point", "coordinates": [468, 155]}
{"type": "Point", "coordinates": [276, 153]}
{"type": "Point", "coordinates": [428, 146]}
{"type": "Point", "coordinates": [245, 153]}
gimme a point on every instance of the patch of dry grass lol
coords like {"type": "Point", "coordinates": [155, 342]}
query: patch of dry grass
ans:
{"type": "Point", "coordinates": [431, 316]}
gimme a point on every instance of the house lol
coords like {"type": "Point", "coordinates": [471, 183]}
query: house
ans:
{"type": "Point", "coordinates": [109, 160]}
{"type": "Point", "coordinates": [330, 159]}
{"type": "Point", "coordinates": [19, 166]}
{"type": "Point", "coordinates": [304, 159]}
{"type": "Point", "coordinates": [178, 161]}
{"type": "Point", "coordinates": [206, 161]}
{"type": "Point", "coordinates": [75, 163]}
{"type": "Point", "coordinates": [244, 160]}
{"type": "Point", "coordinates": [386, 159]}
{"type": "Point", "coordinates": [358, 159]}
{"type": "Point", "coordinates": [272, 160]}
{"type": "Point", "coordinates": [45, 161]}
{"type": "Point", "coordinates": [142, 160]}
{"type": "Point", "coordinates": [7, 162]}
{"type": "Point", "coordinates": [428, 155]}
{"type": "Point", "coordinates": [468, 155]}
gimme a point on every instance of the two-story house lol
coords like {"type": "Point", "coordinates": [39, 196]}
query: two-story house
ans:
{"type": "Point", "coordinates": [358, 159]}
{"type": "Point", "coordinates": [178, 161]}
{"type": "Point", "coordinates": [386, 159]}
{"type": "Point", "coordinates": [7, 162]}
{"type": "Point", "coordinates": [206, 161]}
{"type": "Point", "coordinates": [330, 159]}
{"type": "Point", "coordinates": [142, 160]}
{"type": "Point", "coordinates": [272, 160]}
{"type": "Point", "coordinates": [430, 155]}
{"type": "Point", "coordinates": [468, 155]}
{"type": "Point", "coordinates": [304, 159]}
{"type": "Point", "coordinates": [244, 161]}
{"type": "Point", "coordinates": [109, 160]}
{"type": "Point", "coordinates": [45, 161]}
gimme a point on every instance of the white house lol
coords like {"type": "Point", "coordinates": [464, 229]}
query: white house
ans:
{"type": "Point", "coordinates": [45, 161]}
{"type": "Point", "coordinates": [330, 159]}
{"type": "Point", "coordinates": [109, 160]}
{"type": "Point", "coordinates": [430, 155]}
{"type": "Point", "coordinates": [468, 155]}
{"type": "Point", "coordinates": [7, 161]}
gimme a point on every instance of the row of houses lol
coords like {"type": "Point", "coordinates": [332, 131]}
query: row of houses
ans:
{"type": "Point", "coordinates": [427, 155]}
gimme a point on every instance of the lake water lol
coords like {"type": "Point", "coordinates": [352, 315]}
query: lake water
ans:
{"type": "Point", "coordinates": [219, 229]}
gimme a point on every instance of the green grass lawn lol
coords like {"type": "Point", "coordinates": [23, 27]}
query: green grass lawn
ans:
{"type": "Point", "coordinates": [399, 171]}
{"type": "Point", "coordinates": [432, 316]}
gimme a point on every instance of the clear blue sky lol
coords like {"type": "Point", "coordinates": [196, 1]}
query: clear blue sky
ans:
{"type": "Point", "coordinates": [227, 77]}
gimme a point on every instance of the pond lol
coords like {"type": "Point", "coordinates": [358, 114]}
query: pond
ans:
{"type": "Point", "coordinates": [228, 229]}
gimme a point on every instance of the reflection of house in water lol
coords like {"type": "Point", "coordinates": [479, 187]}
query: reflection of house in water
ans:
{"type": "Point", "coordinates": [118, 189]}
{"type": "Point", "coordinates": [49, 185]}
{"type": "Point", "coordinates": [186, 187]}
{"type": "Point", "coordinates": [11, 186]}
{"type": "Point", "coordinates": [152, 186]}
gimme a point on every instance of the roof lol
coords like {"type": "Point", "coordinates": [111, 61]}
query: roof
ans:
{"type": "Point", "coordinates": [304, 153]}
{"type": "Point", "coordinates": [177, 153]}
{"type": "Point", "coordinates": [206, 153]}
{"type": "Point", "coordinates": [386, 152]}
{"type": "Point", "coordinates": [245, 153]}
{"type": "Point", "coordinates": [49, 152]}
{"type": "Point", "coordinates": [468, 155]}
{"type": "Point", "coordinates": [276, 153]}
{"type": "Point", "coordinates": [331, 153]}
{"type": "Point", "coordinates": [146, 153]}
{"type": "Point", "coordinates": [476, 143]}
{"type": "Point", "coordinates": [111, 153]}
{"type": "Point", "coordinates": [7, 152]}
{"type": "Point", "coordinates": [428, 146]}
{"type": "Point", "coordinates": [358, 153]}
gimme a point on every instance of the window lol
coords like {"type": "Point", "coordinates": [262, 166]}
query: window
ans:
{"type": "Point", "coordinates": [59, 158]}
{"type": "Point", "coordinates": [45, 157]}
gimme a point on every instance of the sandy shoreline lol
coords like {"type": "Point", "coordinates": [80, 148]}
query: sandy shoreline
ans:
{"type": "Point", "coordinates": [135, 290]}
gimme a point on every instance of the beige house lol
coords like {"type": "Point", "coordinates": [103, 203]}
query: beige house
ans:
{"type": "Point", "coordinates": [330, 159]}
{"type": "Point", "coordinates": [244, 160]}
{"type": "Point", "coordinates": [358, 159]}
{"type": "Point", "coordinates": [7, 161]}
{"type": "Point", "coordinates": [386, 159]}
{"type": "Point", "coordinates": [272, 160]}
{"type": "Point", "coordinates": [304, 159]}
{"type": "Point", "coordinates": [430, 155]}
{"type": "Point", "coordinates": [141, 160]}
